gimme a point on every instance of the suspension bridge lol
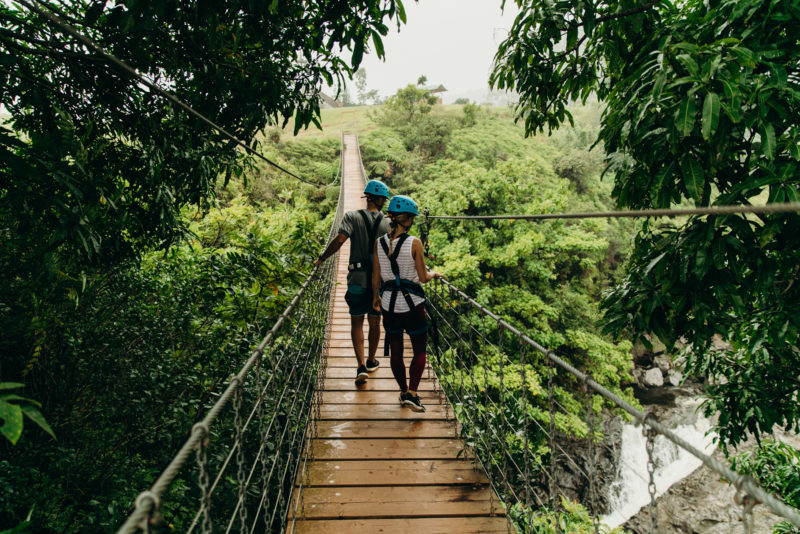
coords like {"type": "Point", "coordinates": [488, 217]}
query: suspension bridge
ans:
{"type": "Point", "coordinates": [373, 465]}
{"type": "Point", "coordinates": [292, 445]}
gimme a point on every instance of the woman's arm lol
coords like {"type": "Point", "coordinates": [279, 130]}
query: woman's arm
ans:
{"type": "Point", "coordinates": [425, 276]}
{"type": "Point", "coordinates": [376, 278]}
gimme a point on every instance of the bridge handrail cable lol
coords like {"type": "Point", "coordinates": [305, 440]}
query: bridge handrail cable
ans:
{"type": "Point", "coordinates": [148, 502]}
{"type": "Point", "coordinates": [777, 207]}
{"type": "Point", "coordinates": [740, 482]}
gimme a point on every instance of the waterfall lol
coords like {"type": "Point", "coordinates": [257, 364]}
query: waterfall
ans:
{"type": "Point", "coordinates": [628, 493]}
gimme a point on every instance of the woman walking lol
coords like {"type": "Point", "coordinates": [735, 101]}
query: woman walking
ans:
{"type": "Point", "coordinates": [398, 273]}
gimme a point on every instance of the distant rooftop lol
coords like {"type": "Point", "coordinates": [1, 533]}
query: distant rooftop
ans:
{"type": "Point", "coordinates": [434, 88]}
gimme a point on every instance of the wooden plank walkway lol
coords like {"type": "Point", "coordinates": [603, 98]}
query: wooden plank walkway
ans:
{"type": "Point", "coordinates": [377, 466]}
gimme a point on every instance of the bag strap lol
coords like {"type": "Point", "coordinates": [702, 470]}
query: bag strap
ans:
{"type": "Point", "coordinates": [371, 234]}
{"type": "Point", "coordinates": [372, 229]}
{"type": "Point", "coordinates": [396, 271]}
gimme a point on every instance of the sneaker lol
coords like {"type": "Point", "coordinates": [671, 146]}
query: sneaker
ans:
{"type": "Point", "coordinates": [403, 398]}
{"type": "Point", "coordinates": [361, 375]}
{"type": "Point", "coordinates": [413, 402]}
{"type": "Point", "coordinates": [373, 365]}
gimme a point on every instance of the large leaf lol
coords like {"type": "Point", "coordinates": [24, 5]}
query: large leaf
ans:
{"type": "Point", "coordinates": [693, 177]}
{"type": "Point", "coordinates": [684, 122]}
{"type": "Point", "coordinates": [36, 416]}
{"type": "Point", "coordinates": [11, 414]}
{"type": "Point", "coordinates": [710, 115]}
{"type": "Point", "coordinates": [768, 140]}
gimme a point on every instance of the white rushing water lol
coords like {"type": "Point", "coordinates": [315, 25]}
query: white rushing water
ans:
{"type": "Point", "coordinates": [629, 492]}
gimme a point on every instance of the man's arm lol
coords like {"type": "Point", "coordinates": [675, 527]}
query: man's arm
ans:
{"type": "Point", "coordinates": [335, 244]}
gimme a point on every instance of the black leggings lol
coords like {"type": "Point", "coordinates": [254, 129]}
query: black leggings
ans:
{"type": "Point", "coordinates": [395, 324]}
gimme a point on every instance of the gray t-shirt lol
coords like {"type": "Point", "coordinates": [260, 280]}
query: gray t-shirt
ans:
{"type": "Point", "coordinates": [360, 250]}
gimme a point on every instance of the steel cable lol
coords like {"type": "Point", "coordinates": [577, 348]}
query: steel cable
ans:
{"type": "Point", "coordinates": [778, 207]}
{"type": "Point", "coordinates": [747, 484]}
{"type": "Point", "coordinates": [65, 27]}
{"type": "Point", "coordinates": [148, 501]}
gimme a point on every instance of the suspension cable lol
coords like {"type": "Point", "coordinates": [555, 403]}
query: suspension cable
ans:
{"type": "Point", "coordinates": [149, 501]}
{"type": "Point", "coordinates": [741, 482]}
{"type": "Point", "coordinates": [70, 30]}
{"type": "Point", "coordinates": [778, 207]}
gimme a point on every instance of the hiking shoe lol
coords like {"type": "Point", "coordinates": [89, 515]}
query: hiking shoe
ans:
{"type": "Point", "coordinates": [413, 402]}
{"type": "Point", "coordinates": [373, 365]}
{"type": "Point", "coordinates": [361, 375]}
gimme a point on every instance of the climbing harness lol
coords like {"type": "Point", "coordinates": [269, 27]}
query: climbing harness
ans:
{"type": "Point", "coordinates": [398, 285]}
{"type": "Point", "coordinates": [406, 287]}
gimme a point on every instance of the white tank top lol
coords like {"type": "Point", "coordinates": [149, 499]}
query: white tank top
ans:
{"type": "Point", "coordinates": [408, 271]}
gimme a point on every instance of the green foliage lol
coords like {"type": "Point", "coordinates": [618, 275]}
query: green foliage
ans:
{"type": "Point", "coordinates": [701, 104]}
{"type": "Point", "coordinates": [471, 112]}
{"type": "Point", "coordinates": [545, 278]}
{"type": "Point", "coordinates": [92, 156]}
{"type": "Point", "coordinates": [574, 519]}
{"type": "Point", "coordinates": [776, 466]}
{"type": "Point", "coordinates": [126, 370]}
{"type": "Point", "coordinates": [14, 408]}
{"type": "Point", "coordinates": [409, 113]}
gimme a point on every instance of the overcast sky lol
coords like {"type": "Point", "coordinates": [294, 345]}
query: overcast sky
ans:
{"type": "Point", "coordinates": [452, 42]}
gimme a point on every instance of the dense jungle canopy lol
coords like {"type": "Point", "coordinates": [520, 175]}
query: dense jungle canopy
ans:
{"type": "Point", "coordinates": [143, 254]}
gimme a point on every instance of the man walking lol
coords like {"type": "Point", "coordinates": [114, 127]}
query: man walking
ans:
{"type": "Point", "coordinates": [362, 227]}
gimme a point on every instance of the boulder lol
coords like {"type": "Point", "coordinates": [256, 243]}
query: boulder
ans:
{"type": "Point", "coordinates": [674, 378]}
{"type": "Point", "coordinates": [663, 362]}
{"type": "Point", "coordinates": [658, 346]}
{"type": "Point", "coordinates": [653, 378]}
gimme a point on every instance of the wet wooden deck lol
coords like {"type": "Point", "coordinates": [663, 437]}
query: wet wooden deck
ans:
{"type": "Point", "coordinates": [377, 466]}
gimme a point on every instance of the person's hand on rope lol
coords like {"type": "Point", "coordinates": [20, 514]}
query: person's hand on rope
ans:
{"type": "Point", "coordinates": [318, 261]}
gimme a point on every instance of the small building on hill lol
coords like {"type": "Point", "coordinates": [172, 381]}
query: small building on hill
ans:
{"type": "Point", "coordinates": [433, 89]}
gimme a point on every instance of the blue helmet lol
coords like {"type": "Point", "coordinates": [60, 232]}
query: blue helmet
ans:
{"type": "Point", "coordinates": [403, 204]}
{"type": "Point", "coordinates": [377, 188]}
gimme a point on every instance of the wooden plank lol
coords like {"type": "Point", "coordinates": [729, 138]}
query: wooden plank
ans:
{"type": "Point", "coordinates": [348, 352]}
{"type": "Point", "coordinates": [367, 397]}
{"type": "Point", "coordinates": [393, 501]}
{"type": "Point", "coordinates": [368, 412]}
{"type": "Point", "coordinates": [392, 472]}
{"type": "Point", "coordinates": [373, 384]}
{"type": "Point", "coordinates": [351, 362]}
{"type": "Point", "coordinates": [335, 343]}
{"type": "Point", "coordinates": [428, 525]}
{"type": "Point", "coordinates": [387, 449]}
{"type": "Point", "coordinates": [349, 372]}
{"type": "Point", "coordinates": [385, 429]}
{"type": "Point", "coordinates": [383, 467]}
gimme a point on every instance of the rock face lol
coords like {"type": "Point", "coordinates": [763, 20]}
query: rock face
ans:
{"type": "Point", "coordinates": [702, 503]}
{"type": "Point", "coordinates": [675, 378]}
{"type": "Point", "coordinates": [574, 461]}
